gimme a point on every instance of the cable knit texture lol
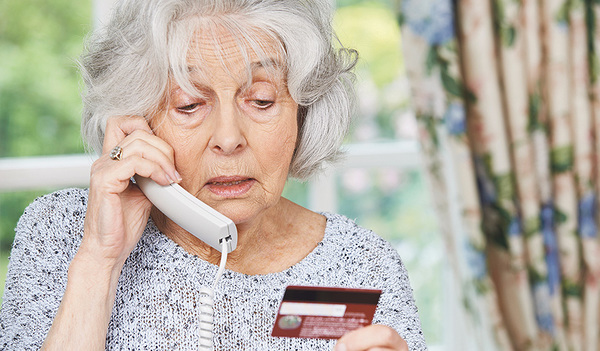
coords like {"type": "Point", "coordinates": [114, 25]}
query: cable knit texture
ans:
{"type": "Point", "coordinates": [156, 306]}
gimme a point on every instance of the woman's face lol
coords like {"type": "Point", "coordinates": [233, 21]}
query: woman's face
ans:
{"type": "Point", "coordinates": [233, 146]}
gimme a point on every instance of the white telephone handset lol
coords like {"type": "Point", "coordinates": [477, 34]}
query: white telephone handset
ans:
{"type": "Point", "coordinates": [191, 214]}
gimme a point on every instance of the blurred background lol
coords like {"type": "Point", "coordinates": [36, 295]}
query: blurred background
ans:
{"type": "Point", "coordinates": [381, 183]}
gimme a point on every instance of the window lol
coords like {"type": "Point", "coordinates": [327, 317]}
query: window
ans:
{"type": "Point", "coordinates": [39, 95]}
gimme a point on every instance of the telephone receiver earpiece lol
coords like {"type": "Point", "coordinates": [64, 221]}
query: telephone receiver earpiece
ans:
{"type": "Point", "coordinates": [191, 214]}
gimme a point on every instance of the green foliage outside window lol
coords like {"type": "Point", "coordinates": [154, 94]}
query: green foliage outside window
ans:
{"type": "Point", "coordinates": [39, 85]}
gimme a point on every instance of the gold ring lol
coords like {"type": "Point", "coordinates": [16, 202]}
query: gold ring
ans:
{"type": "Point", "coordinates": [116, 153]}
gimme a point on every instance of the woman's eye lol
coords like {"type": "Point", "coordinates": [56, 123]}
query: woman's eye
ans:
{"type": "Point", "coordinates": [191, 108]}
{"type": "Point", "coordinates": [263, 104]}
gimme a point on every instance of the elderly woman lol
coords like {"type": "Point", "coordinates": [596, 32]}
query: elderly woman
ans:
{"type": "Point", "coordinates": [228, 99]}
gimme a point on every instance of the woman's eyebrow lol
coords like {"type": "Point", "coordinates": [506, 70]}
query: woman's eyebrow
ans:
{"type": "Point", "coordinates": [275, 70]}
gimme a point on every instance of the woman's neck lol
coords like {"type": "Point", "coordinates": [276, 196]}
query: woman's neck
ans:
{"type": "Point", "coordinates": [281, 237]}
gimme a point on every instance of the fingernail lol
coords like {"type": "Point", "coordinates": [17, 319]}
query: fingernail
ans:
{"type": "Point", "coordinates": [178, 176]}
{"type": "Point", "coordinates": [169, 179]}
{"type": "Point", "coordinates": [340, 347]}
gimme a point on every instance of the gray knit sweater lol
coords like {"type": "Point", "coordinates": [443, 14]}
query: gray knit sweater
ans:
{"type": "Point", "coordinates": [155, 306]}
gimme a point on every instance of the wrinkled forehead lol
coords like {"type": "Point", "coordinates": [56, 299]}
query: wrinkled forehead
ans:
{"type": "Point", "coordinates": [234, 47]}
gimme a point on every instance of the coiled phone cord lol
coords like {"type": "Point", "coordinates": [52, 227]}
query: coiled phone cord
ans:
{"type": "Point", "coordinates": [205, 330]}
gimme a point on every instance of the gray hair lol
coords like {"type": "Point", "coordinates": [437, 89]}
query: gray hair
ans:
{"type": "Point", "coordinates": [130, 62]}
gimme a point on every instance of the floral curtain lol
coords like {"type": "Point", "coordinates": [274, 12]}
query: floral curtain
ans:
{"type": "Point", "coordinates": [507, 96]}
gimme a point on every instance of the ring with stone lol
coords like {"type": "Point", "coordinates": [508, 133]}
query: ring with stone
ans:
{"type": "Point", "coordinates": [116, 153]}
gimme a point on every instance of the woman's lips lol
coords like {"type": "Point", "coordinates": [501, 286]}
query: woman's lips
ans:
{"type": "Point", "coordinates": [230, 186]}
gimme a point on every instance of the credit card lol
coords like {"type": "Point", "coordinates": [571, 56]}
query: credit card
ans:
{"type": "Point", "coordinates": [324, 312]}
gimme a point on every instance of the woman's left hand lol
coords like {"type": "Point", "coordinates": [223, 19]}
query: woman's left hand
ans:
{"type": "Point", "coordinates": [376, 337]}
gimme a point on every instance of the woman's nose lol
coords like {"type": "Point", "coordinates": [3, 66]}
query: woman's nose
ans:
{"type": "Point", "coordinates": [227, 136]}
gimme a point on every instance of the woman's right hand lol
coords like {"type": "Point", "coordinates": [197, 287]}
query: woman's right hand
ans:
{"type": "Point", "coordinates": [117, 213]}
{"type": "Point", "coordinates": [117, 210]}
